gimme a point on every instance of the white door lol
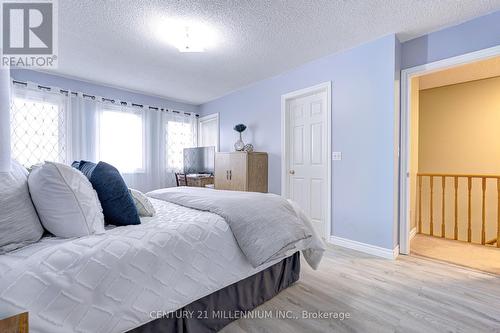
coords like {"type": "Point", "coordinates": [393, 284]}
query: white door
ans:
{"type": "Point", "coordinates": [208, 131]}
{"type": "Point", "coordinates": [307, 154]}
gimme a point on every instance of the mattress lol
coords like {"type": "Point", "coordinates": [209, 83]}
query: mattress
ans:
{"type": "Point", "coordinates": [113, 282]}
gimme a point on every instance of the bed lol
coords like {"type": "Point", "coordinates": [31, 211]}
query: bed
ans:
{"type": "Point", "coordinates": [132, 277]}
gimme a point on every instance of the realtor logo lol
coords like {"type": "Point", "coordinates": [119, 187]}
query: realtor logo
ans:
{"type": "Point", "coordinates": [29, 34]}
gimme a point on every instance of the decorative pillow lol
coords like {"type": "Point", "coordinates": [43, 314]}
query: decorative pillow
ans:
{"type": "Point", "coordinates": [19, 223]}
{"type": "Point", "coordinates": [117, 203]}
{"type": "Point", "coordinates": [142, 203]}
{"type": "Point", "coordinates": [65, 201]}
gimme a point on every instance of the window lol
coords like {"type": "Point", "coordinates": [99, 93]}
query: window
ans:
{"type": "Point", "coordinates": [38, 131]}
{"type": "Point", "coordinates": [208, 131]}
{"type": "Point", "coordinates": [121, 140]}
{"type": "Point", "coordinates": [180, 135]}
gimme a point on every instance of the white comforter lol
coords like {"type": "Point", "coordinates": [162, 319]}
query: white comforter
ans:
{"type": "Point", "coordinates": [112, 282]}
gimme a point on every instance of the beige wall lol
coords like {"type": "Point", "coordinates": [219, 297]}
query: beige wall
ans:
{"type": "Point", "coordinates": [459, 128]}
{"type": "Point", "coordinates": [459, 132]}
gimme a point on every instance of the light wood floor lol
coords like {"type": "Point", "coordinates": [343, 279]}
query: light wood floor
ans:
{"type": "Point", "coordinates": [409, 294]}
{"type": "Point", "coordinates": [484, 258]}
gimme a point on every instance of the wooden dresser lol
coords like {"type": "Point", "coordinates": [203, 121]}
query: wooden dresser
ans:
{"type": "Point", "coordinates": [241, 171]}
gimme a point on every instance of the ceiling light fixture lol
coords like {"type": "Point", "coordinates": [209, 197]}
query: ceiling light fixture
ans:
{"type": "Point", "coordinates": [190, 44]}
{"type": "Point", "coordinates": [186, 36]}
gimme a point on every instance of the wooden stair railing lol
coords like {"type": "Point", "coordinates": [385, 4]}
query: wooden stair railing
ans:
{"type": "Point", "coordinates": [456, 178]}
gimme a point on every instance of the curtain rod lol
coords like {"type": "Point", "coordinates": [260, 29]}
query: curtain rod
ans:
{"type": "Point", "coordinates": [104, 99]}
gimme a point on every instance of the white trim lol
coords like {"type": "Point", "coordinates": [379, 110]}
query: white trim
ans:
{"type": "Point", "coordinates": [365, 248]}
{"type": "Point", "coordinates": [205, 118]}
{"type": "Point", "coordinates": [413, 233]}
{"type": "Point", "coordinates": [284, 152]}
{"type": "Point", "coordinates": [406, 76]}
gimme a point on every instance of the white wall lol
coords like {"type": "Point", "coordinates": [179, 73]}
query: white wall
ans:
{"type": "Point", "coordinates": [414, 112]}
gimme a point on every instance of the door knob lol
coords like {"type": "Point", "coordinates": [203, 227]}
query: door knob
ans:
{"type": "Point", "coordinates": [292, 172]}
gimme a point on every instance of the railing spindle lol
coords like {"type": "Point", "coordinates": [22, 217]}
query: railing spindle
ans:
{"type": "Point", "coordinates": [432, 207]}
{"type": "Point", "coordinates": [483, 213]}
{"type": "Point", "coordinates": [470, 181]}
{"type": "Point", "coordinates": [455, 231]}
{"type": "Point", "coordinates": [420, 204]}
{"type": "Point", "coordinates": [469, 215]}
{"type": "Point", "coordinates": [443, 186]}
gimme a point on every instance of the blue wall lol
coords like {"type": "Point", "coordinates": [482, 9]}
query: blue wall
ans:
{"type": "Point", "coordinates": [100, 90]}
{"type": "Point", "coordinates": [365, 108]}
{"type": "Point", "coordinates": [480, 33]}
{"type": "Point", "coordinates": [365, 111]}
{"type": "Point", "coordinates": [363, 118]}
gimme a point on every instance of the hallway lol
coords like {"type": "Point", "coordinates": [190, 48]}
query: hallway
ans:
{"type": "Point", "coordinates": [480, 257]}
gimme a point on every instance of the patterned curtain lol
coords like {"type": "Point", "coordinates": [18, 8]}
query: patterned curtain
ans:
{"type": "Point", "coordinates": [145, 144]}
{"type": "Point", "coordinates": [180, 133]}
{"type": "Point", "coordinates": [39, 126]}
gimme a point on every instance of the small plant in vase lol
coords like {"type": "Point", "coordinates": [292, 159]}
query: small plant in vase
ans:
{"type": "Point", "coordinates": [239, 145]}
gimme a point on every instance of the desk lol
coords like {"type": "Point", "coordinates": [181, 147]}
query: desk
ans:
{"type": "Point", "coordinates": [194, 180]}
{"type": "Point", "coordinates": [15, 324]}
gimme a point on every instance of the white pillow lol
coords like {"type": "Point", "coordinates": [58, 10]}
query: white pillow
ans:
{"type": "Point", "coordinates": [65, 201]}
{"type": "Point", "coordinates": [19, 224]}
{"type": "Point", "coordinates": [142, 203]}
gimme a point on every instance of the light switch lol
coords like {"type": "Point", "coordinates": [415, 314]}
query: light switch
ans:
{"type": "Point", "coordinates": [336, 156]}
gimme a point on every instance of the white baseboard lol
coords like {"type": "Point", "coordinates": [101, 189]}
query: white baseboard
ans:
{"type": "Point", "coordinates": [413, 232]}
{"type": "Point", "coordinates": [366, 248]}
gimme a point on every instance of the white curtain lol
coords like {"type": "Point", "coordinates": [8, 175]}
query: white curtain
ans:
{"type": "Point", "coordinates": [168, 133]}
{"type": "Point", "coordinates": [144, 143]}
{"type": "Point", "coordinates": [180, 131]}
{"type": "Point", "coordinates": [4, 120]}
{"type": "Point", "coordinates": [83, 126]}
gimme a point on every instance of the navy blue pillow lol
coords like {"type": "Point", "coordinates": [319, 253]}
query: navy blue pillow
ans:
{"type": "Point", "coordinates": [117, 204]}
{"type": "Point", "coordinates": [85, 167]}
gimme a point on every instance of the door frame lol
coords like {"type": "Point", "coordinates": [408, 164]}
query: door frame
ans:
{"type": "Point", "coordinates": [209, 117]}
{"type": "Point", "coordinates": [326, 87]}
{"type": "Point", "coordinates": [404, 175]}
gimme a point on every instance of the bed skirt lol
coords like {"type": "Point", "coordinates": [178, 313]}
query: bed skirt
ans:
{"type": "Point", "coordinates": [212, 312]}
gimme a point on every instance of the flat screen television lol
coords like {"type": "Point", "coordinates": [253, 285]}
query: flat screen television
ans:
{"type": "Point", "coordinates": [199, 160]}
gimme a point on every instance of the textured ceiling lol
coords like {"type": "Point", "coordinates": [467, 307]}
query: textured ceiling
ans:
{"type": "Point", "coordinates": [115, 42]}
{"type": "Point", "coordinates": [474, 71]}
